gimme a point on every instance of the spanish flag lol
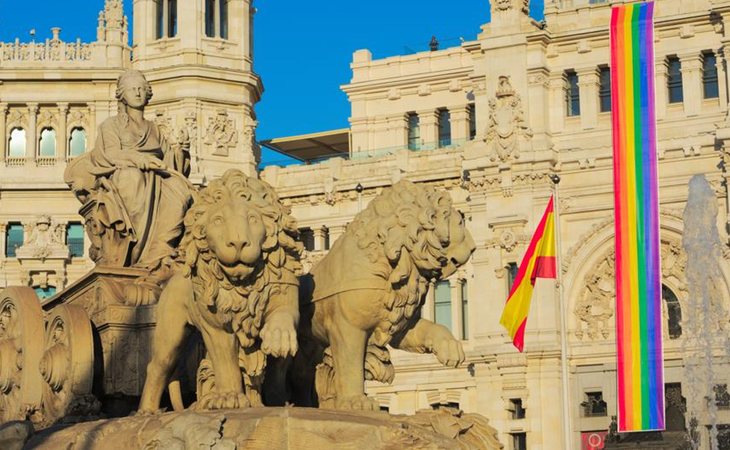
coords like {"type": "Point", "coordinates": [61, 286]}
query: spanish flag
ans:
{"type": "Point", "coordinates": [539, 262]}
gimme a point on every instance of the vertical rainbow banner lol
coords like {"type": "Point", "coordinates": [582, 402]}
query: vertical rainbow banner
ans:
{"type": "Point", "coordinates": [638, 281]}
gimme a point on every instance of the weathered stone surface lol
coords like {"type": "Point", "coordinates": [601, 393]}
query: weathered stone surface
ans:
{"type": "Point", "coordinates": [274, 429]}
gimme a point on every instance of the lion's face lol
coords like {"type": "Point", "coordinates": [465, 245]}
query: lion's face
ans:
{"type": "Point", "coordinates": [236, 234]}
{"type": "Point", "coordinates": [461, 245]}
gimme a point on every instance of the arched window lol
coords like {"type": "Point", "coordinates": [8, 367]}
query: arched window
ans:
{"type": "Point", "coordinates": [16, 144]}
{"type": "Point", "coordinates": [47, 145]}
{"type": "Point", "coordinates": [77, 142]}
{"type": "Point", "coordinates": [216, 18]}
{"type": "Point", "coordinates": [674, 313]}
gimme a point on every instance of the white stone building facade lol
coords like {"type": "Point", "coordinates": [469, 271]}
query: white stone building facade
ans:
{"type": "Point", "coordinates": [490, 121]}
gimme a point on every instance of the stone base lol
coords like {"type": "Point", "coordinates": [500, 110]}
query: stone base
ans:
{"type": "Point", "coordinates": [667, 440]}
{"type": "Point", "coordinates": [276, 428]}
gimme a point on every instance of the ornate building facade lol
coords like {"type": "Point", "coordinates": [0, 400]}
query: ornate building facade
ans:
{"type": "Point", "coordinates": [490, 121]}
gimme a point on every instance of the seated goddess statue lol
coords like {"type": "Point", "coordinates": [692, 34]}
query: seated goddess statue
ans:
{"type": "Point", "coordinates": [134, 189]}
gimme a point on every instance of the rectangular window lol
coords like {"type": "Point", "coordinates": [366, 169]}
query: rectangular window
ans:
{"type": "Point", "coordinates": [604, 90]}
{"type": "Point", "coordinates": [572, 93]}
{"type": "Point", "coordinates": [307, 237]}
{"type": "Point", "coordinates": [160, 19]}
{"type": "Point", "coordinates": [674, 79]}
{"type": "Point", "coordinates": [210, 18]}
{"type": "Point", "coordinates": [414, 131]}
{"type": "Point", "coordinates": [709, 75]}
{"type": "Point", "coordinates": [442, 308]}
{"type": "Point", "coordinates": [13, 239]}
{"type": "Point", "coordinates": [172, 18]}
{"type": "Point", "coordinates": [593, 405]}
{"type": "Point", "coordinates": [224, 19]}
{"type": "Point", "coordinates": [722, 397]}
{"type": "Point", "coordinates": [465, 310]}
{"type": "Point", "coordinates": [519, 441]}
{"type": "Point", "coordinates": [512, 269]}
{"type": "Point", "coordinates": [75, 239]}
{"type": "Point", "coordinates": [723, 437]}
{"type": "Point", "coordinates": [518, 412]}
{"type": "Point", "coordinates": [444, 128]}
{"type": "Point", "coordinates": [472, 121]}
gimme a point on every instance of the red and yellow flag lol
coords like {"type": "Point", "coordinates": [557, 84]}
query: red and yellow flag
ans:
{"type": "Point", "coordinates": [539, 262]}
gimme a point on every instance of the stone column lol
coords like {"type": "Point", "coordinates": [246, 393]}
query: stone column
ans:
{"type": "Point", "coordinates": [3, 131]}
{"type": "Point", "coordinates": [165, 17]}
{"type": "Point", "coordinates": [692, 82]}
{"type": "Point", "coordinates": [3, 238]}
{"type": "Point", "coordinates": [335, 232]}
{"type": "Point", "coordinates": [722, 85]}
{"type": "Point", "coordinates": [457, 319]}
{"type": "Point", "coordinates": [459, 124]}
{"type": "Point", "coordinates": [217, 18]}
{"type": "Point", "coordinates": [428, 122]}
{"type": "Point", "coordinates": [318, 239]}
{"type": "Point", "coordinates": [662, 91]}
{"type": "Point", "coordinates": [62, 141]}
{"type": "Point", "coordinates": [557, 101]}
{"type": "Point", "coordinates": [589, 83]}
{"type": "Point", "coordinates": [398, 129]}
{"type": "Point", "coordinates": [31, 142]}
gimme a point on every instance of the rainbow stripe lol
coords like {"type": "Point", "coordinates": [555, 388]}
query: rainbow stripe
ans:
{"type": "Point", "coordinates": [638, 281]}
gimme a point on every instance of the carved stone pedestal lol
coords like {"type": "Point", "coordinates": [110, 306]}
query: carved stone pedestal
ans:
{"type": "Point", "coordinates": [122, 334]}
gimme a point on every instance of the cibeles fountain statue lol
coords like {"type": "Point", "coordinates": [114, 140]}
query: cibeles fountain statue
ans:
{"type": "Point", "coordinates": [200, 292]}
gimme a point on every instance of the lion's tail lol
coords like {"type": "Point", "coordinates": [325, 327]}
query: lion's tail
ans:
{"type": "Point", "coordinates": [176, 395]}
{"type": "Point", "coordinates": [378, 366]}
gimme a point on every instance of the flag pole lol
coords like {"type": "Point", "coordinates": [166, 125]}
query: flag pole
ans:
{"type": "Point", "coordinates": [562, 307]}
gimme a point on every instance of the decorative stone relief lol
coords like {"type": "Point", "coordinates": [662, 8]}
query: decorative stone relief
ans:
{"type": "Point", "coordinates": [114, 13]}
{"type": "Point", "coordinates": [221, 133]}
{"type": "Point", "coordinates": [16, 118]}
{"type": "Point", "coordinates": [45, 240]}
{"type": "Point", "coordinates": [46, 119]}
{"type": "Point", "coordinates": [503, 5]}
{"type": "Point", "coordinates": [78, 118]}
{"type": "Point", "coordinates": [507, 124]}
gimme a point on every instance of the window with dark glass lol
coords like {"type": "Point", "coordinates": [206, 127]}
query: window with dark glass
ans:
{"type": "Point", "coordinates": [216, 18]}
{"type": "Point", "coordinates": [723, 437]}
{"type": "Point", "coordinates": [210, 18]}
{"type": "Point", "coordinates": [159, 19]}
{"type": "Point", "coordinates": [47, 145]}
{"type": "Point", "coordinates": [75, 239]}
{"type": "Point", "coordinates": [414, 131]}
{"type": "Point", "coordinates": [16, 144]}
{"type": "Point", "coordinates": [442, 309]}
{"type": "Point", "coordinates": [166, 18]}
{"type": "Point", "coordinates": [722, 397]}
{"type": "Point", "coordinates": [77, 142]}
{"type": "Point", "coordinates": [512, 269]}
{"type": "Point", "coordinates": [709, 75]}
{"type": "Point", "coordinates": [444, 127]}
{"type": "Point", "coordinates": [674, 79]}
{"type": "Point", "coordinates": [223, 18]}
{"type": "Point", "coordinates": [593, 405]}
{"type": "Point", "coordinates": [465, 311]}
{"type": "Point", "coordinates": [172, 18]}
{"type": "Point", "coordinates": [674, 313]}
{"type": "Point", "coordinates": [519, 441]}
{"type": "Point", "coordinates": [675, 406]}
{"type": "Point", "coordinates": [13, 239]}
{"type": "Point", "coordinates": [604, 89]}
{"type": "Point", "coordinates": [446, 405]}
{"type": "Point", "coordinates": [572, 93]}
{"type": "Point", "coordinates": [517, 411]}
{"type": "Point", "coordinates": [472, 121]}
{"type": "Point", "coordinates": [307, 237]}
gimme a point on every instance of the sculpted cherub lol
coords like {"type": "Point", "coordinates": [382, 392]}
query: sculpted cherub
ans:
{"type": "Point", "coordinates": [368, 291]}
{"type": "Point", "coordinates": [236, 283]}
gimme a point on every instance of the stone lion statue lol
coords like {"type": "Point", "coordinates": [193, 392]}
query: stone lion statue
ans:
{"type": "Point", "coordinates": [236, 282]}
{"type": "Point", "coordinates": [367, 292]}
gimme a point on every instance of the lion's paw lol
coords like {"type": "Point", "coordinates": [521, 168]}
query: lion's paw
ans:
{"type": "Point", "coordinates": [222, 400]}
{"type": "Point", "coordinates": [279, 336]}
{"type": "Point", "coordinates": [449, 351]}
{"type": "Point", "coordinates": [357, 402]}
{"type": "Point", "coordinates": [148, 412]}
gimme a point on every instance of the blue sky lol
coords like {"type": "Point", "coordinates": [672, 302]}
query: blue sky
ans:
{"type": "Point", "coordinates": [303, 48]}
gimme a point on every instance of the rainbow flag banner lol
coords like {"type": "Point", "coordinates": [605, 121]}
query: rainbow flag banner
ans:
{"type": "Point", "coordinates": [539, 262]}
{"type": "Point", "coordinates": [638, 280]}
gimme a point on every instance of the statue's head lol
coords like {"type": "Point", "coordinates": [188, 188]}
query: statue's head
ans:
{"type": "Point", "coordinates": [133, 89]}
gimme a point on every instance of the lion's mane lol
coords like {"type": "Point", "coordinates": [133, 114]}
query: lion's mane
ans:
{"type": "Point", "coordinates": [279, 264]}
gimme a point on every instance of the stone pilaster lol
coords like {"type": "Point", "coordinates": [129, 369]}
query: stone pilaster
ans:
{"type": "Point", "coordinates": [3, 131]}
{"type": "Point", "coordinates": [429, 306]}
{"type": "Point", "coordinates": [3, 239]}
{"type": "Point", "coordinates": [459, 123]}
{"type": "Point", "coordinates": [457, 320]}
{"type": "Point", "coordinates": [62, 141]}
{"type": "Point", "coordinates": [429, 123]}
{"type": "Point", "coordinates": [557, 102]}
{"type": "Point", "coordinates": [662, 93]}
{"type": "Point", "coordinates": [31, 142]}
{"type": "Point", "coordinates": [721, 78]}
{"type": "Point", "coordinates": [398, 129]}
{"type": "Point", "coordinates": [589, 84]}
{"type": "Point", "coordinates": [692, 82]}
{"type": "Point", "coordinates": [319, 238]}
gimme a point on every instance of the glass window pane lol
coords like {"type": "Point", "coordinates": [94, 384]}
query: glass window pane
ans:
{"type": "Point", "coordinates": [160, 19]}
{"type": "Point", "coordinates": [709, 75]}
{"type": "Point", "coordinates": [674, 313]}
{"type": "Point", "coordinates": [172, 19]}
{"type": "Point", "coordinates": [414, 131]}
{"type": "Point", "coordinates": [674, 80]}
{"type": "Point", "coordinates": [13, 239]}
{"type": "Point", "coordinates": [572, 94]}
{"type": "Point", "coordinates": [443, 304]}
{"type": "Point", "coordinates": [210, 18]}
{"type": "Point", "coordinates": [17, 143]}
{"type": "Point", "coordinates": [75, 239]}
{"type": "Point", "coordinates": [444, 128]}
{"type": "Point", "coordinates": [48, 142]}
{"type": "Point", "coordinates": [605, 89]}
{"type": "Point", "coordinates": [77, 143]}
{"type": "Point", "coordinates": [472, 121]}
{"type": "Point", "coordinates": [44, 293]}
{"type": "Point", "coordinates": [465, 310]}
{"type": "Point", "coordinates": [224, 18]}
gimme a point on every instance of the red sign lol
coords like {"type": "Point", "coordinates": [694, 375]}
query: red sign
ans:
{"type": "Point", "coordinates": [593, 440]}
